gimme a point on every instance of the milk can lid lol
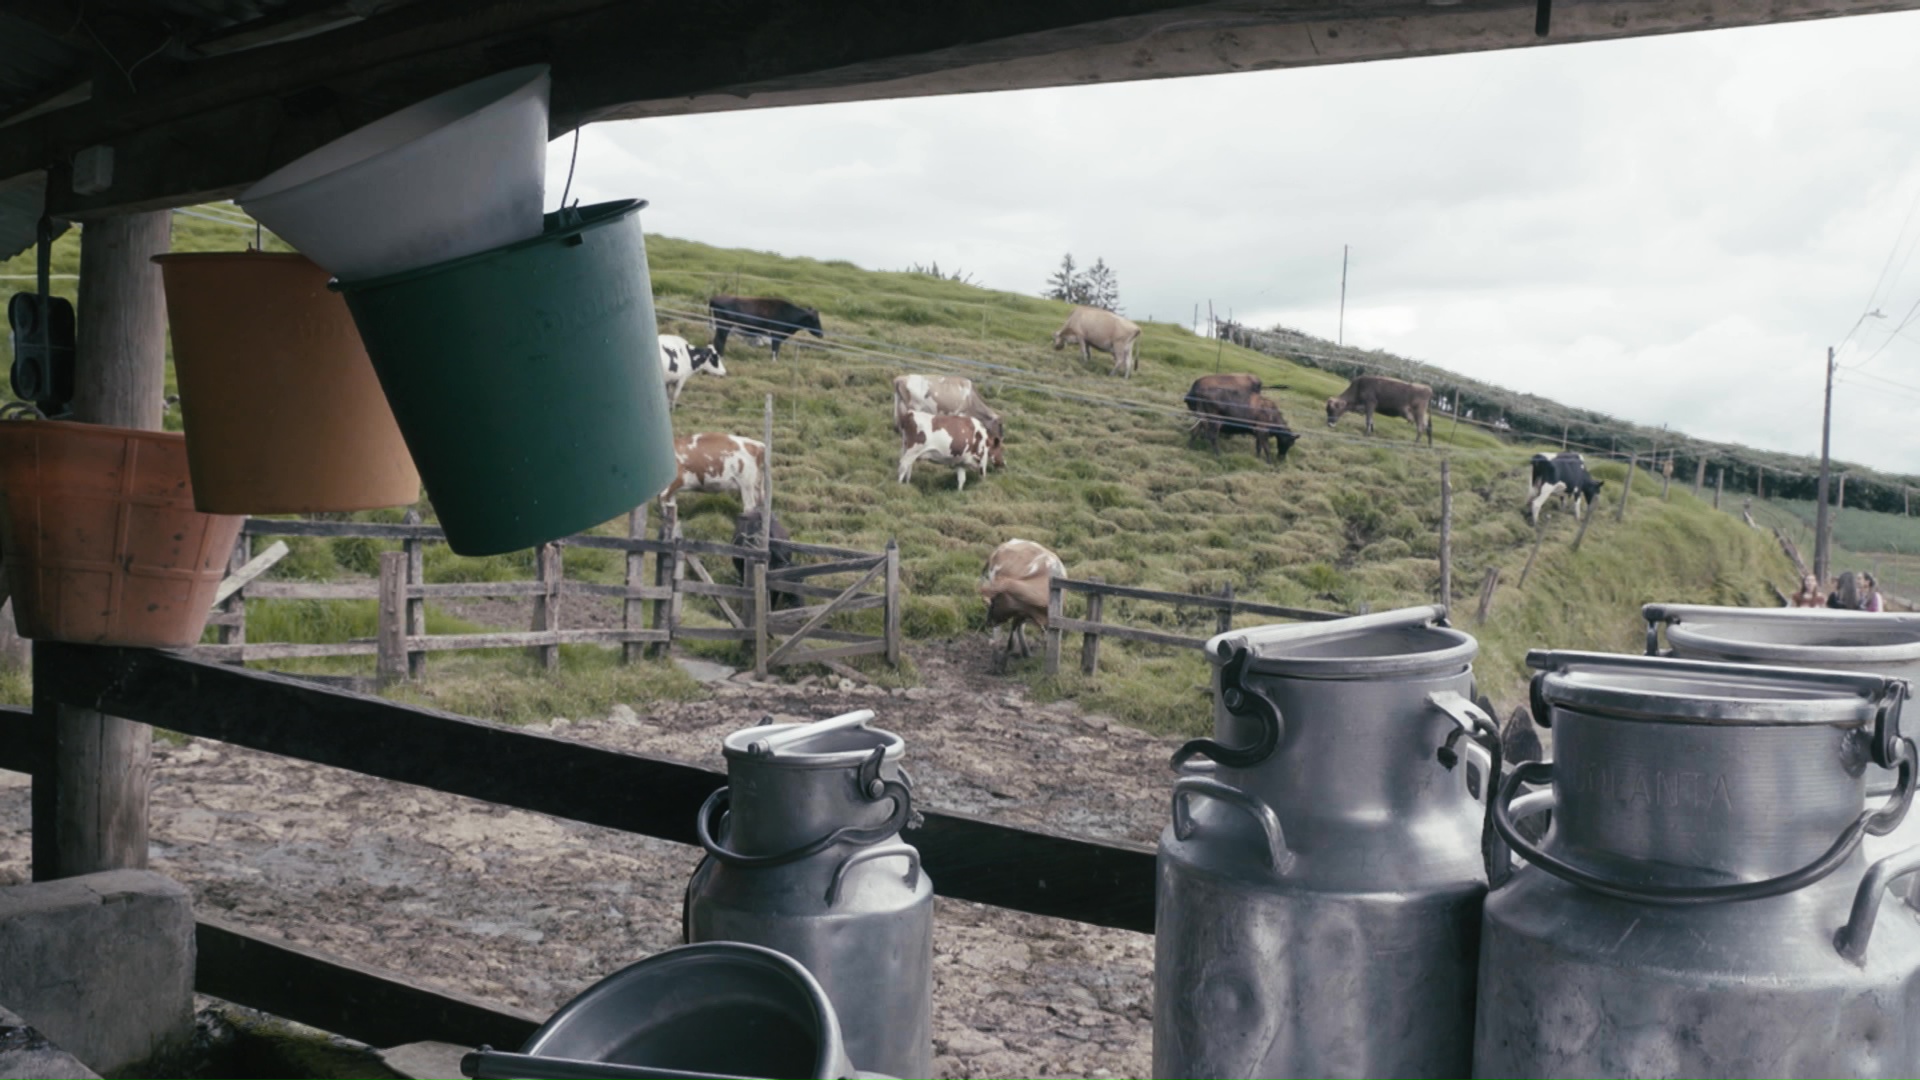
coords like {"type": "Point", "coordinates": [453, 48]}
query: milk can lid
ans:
{"type": "Point", "coordinates": [1705, 692]}
{"type": "Point", "coordinates": [1797, 636]}
{"type": "Point", "coordinates": [1409, 641]}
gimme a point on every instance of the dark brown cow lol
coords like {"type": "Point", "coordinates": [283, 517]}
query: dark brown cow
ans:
{"type": "Point", "coordinates": [761, 316]}
{"type": "Point", "coordinates": [1388, 397]}
{"type": "Point", "coordinates": [1233, 405]}
{"type": "Point", "coordinates": [746, 533]}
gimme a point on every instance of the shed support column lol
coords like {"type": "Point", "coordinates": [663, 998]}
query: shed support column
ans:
{"type": "Point", "coordinates": [90, 814]}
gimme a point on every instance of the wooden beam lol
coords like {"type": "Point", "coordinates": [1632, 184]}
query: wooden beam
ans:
{"type": "Point", "coordinates": [252, 568]}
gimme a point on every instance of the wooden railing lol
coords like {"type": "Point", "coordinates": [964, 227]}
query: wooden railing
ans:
{"type": "Point", "coordinates": [1094, 627]}
{"type": "Point", "coordinates": [401, 641]}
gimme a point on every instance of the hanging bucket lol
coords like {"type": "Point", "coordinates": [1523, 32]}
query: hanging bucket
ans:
{"type": "Point", "coordinates": [283, 412]}
{"type": "Point", "coordinates": [103, 545]}
{"type": "Point", "coordinates": [527, 380]}
{"type": "Point", "coordinates": [459, 173]}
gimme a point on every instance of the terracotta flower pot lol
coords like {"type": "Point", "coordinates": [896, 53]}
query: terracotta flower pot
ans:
{"type": "Point", "coordinates": [283, 412]}
{"type": "Point", "coordinates": [102, 543]}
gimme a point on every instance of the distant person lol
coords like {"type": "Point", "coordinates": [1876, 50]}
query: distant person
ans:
{"type": "Point", "coordinates": [1846, 593]}
{"type": "Point", "coordinates": [1809, 594]}
{"type": "Point", "coordinates": [1870, 593]}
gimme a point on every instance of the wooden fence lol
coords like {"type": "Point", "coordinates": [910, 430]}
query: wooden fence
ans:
{"type": "Point", "coordinates": [830, 581]}
{"type": "Point", "coordinates": [1094, 627]}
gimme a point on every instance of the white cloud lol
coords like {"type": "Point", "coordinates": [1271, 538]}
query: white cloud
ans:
{"type": "Point", "coordinates": [1670, 229]}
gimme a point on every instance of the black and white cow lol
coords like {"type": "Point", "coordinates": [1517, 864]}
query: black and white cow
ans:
{"type": "Point", "coordinates": [680, 361]}
{"type": "Point", "coordinates": [1561, 475]}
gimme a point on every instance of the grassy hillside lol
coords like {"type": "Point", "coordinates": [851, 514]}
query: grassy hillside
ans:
{"type": "Point", "coordinates": [1100, 470]}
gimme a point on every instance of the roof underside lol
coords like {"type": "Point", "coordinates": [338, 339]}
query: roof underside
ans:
{"type": "Point", "coordinates": [197, 98]}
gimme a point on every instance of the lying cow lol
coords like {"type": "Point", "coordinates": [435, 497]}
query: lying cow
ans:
{"type": "Point", "coordinates": [1559, 476]}
{"type": "Point", "coordinates": [680, 361]}
{"type": "Point", "coordinates": [1233, 405]}
{"type": "Point", "coordinates": [959, 441]}
{"type": "Point", "coordinates": [762, 316]}
{"type": "Point", "coordinates": [941, 395]}
{"type": "Point", "coordinates": [746, 533]}
{"type": "Point", "coordinates": [1388, 397]}
{"type": "Point", "coordinates": [711, 461]}
{"type": "Point", "coordinates": [1014, 586]}
{"type": "Point", "coordinates": [1097, 328]}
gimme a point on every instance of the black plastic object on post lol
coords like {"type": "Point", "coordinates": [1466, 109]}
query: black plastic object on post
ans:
{"type": "Point", "coordinates": [43, 338]}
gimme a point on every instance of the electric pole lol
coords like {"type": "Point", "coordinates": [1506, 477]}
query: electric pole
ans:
{"type": "Point", "coordinates": [1821, 514]}
{"type": "Point", "coordinates": [1342, 332]}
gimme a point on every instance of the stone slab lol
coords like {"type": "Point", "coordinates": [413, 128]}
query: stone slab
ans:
{"type": "Point", "coordinates": [25, 1054]}
{"type": "Point", "coordinates": [102, 964]}
{"type": "Point", "coordinates": [426, 1060]}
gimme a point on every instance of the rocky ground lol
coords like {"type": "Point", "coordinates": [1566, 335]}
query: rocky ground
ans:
{"type": "Point", "coordinates": [528, 910]}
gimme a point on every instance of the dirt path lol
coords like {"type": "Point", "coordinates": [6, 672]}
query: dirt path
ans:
{"type": "Point", "coordinates": [527, 910]}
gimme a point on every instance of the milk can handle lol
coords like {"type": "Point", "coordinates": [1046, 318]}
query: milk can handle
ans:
{"type": "Point", "coordinates": [872, 787]}
{"type": "Point", "coordinates": [1240, 700]}
{"type": "Point", "coordinates": [1278, 857]}
{"type": "Point", "coordinates": [869, 854]}
{"type": "Point", "coordinates": [1473, 722]}
{"type": "Point", "coordinates": [1851, 940]}
{"type": "Point", "coordinates": [1541, 772]}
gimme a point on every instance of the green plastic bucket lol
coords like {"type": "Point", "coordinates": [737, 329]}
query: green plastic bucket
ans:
{"type": "Point", "coordinates": [526, 379]}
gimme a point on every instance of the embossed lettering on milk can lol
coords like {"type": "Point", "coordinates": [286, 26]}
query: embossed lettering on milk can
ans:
{"type": "Point", "coordinates": [1320, 884]}
{"type": "Point", "coordinates": [1701, 905]}
{"type": "Point", "coordinates": [807, 859]}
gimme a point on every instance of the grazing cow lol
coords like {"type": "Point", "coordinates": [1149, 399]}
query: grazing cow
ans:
{"type": "Point", "coordinates": [1562, 475]}
{"type": "Point", "coordinates": [1388, 397]}
{"type": "Point", "coordinates": [1014, 586]}
{"type": "Point", "coordinates": [960, 441]}
{"type": "Point", "coordinates": [746, 533]}
{"type": "Point", "coordinates": [711, 461]}
{"type": "Point", "coordinates": [941, 395]}
{"type": "Point", "coordinates": [680, 361]}
{"type": "Point", "coordinates": [1097, 328]}
{"type": "Point", "coordinates": [1233, 405]}
{"type": "Point", "coordinates": [763, 316]}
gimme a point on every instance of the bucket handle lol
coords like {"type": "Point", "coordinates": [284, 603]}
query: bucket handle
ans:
{"type": "Point", "coordinates": [1851, 940]}
{"type": "Point", "coordinates": [1240, 699]}
{"type": "Point", "coordinates": [1279, 859]}
{"type": "Point", "coordinates": [1483, 741]}
{"type": "Point", "coordinates": [912, 877]}
{"type": "Point", "coordinates": [1875, 821]}
{"type": "Point", "coordinates": [871, 786]}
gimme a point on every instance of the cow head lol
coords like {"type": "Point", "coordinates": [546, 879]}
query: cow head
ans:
{"type": "Point", "coordinates": [810, 322]}
{"type": "Point", "coordinates": [996, 457]}
{"type": "Point", "coordinates": [706, 356]}
{"type": "Point", "coordinates": [1336, 408]}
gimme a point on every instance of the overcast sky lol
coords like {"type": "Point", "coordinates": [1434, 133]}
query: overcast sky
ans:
{"type": "Point", "coordinates": [1668, 229]}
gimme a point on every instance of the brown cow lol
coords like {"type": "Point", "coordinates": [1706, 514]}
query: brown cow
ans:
{"type": "Point", "coordinates": [711, 461]}
{"type": "Point", "coordinates": [1388, 397]}
{"type": "Point", "coordinates": [1098, 328]}
{"type": "Point", "coordinates": [959, 441]}
{"type": "Point", "coordinates": [1014, 586]}
{"type": "Point", "coordinates": [942, 395]}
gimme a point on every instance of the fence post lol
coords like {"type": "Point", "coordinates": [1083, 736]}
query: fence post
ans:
{"type": "Point", "coordinates": [1223, 621]}
{"type": "Point", "coordinates": [1090, 640]}
{"type": "Point", "coordinates": [1719, 475]}
{"type": "Point", "coordinates": [666, 574]}
{"type": "Point", "coordinates": [632, 616]}
{"type": "Point", "coordinates": [1487, 589]}
{"type": "Point", "coordinates": [546, 604]}
{"type": "Point", "coordinates": [390, 663]}
{"type": "Point", "coordinates": [1666, 476]}
{"type": "Point", "coordinates": [893, 603]}
{"type": "Point", "coordinates": [1054, 606]}
{"type": "Point", "coordinates": [757, 573]}
{"type": "Point", "coordinates": [236, 605]}
{"type": "Point", "coordinates": [1699, 476]}
{"type": "Point", "coordinates": [415, 551]}
{"type": "Point", "coordinates": [1446, 532]}
{"type": "Point", "coordinates": [1620, 511]}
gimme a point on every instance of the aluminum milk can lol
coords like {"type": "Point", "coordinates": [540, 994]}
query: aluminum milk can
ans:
{"type": "Point", "coordinates": [1320, 885]}
{"type": "Point", "coordinates": [805, 857]}
{"type": "Point", "coordinates": [1871, 642]}
{"type": "Point", "coordinates": [1700, 905]}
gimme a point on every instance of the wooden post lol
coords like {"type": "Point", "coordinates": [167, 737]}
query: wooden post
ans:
{"type": "Point", "coordinates": [1446, 532]}
{"type": "Point", "coordinates": [1090, 640]}
{"type": "Point", "coordinates": [90, 808]}
{"type": "Point", "coordinates": [632, 613]}
{"type": "Point", "coordinates": [757, 573]}
{"type": "Point", "coordinates": [1699, 476]}
{"type": "Point", "coordinates": [1906, 502]}
{"type": "Point", "coordinates": [1620, 511]}
{"type": "Point", "coordinates": [1487, 589]}
{"type": "Point", "coordinates": [1539, 537]}
{"type": "Point", "coordinates": [893, 603]}
{"type": "Point", "coordinates": [1223, 621]}
{"type": "Point", "coordinates": [546, 605]}
{"type": "Point", "coordinates": [415, 551]}
{"type": "Point", "coordinates": [1760, 481]}
{"type": "Point", "coordinates": [1719, 475]}
{"type": "Point", "coordinates": [235, 606]}
{"type": "Point", "coordinates": [667, 573]}
{"type": "Point", "coordinates": [1666, 476]}
{"type": "Point", "coordinates": [390, 661]}
{"type": "Point", "coordinates": [1053, 627]}
{"type": "Point", "coordinates": [1581, 534]}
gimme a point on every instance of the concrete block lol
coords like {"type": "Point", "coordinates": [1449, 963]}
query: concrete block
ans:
{"type": "Point", "coordinates": [101, 964]}
{"type": "Point", "coordinates": [25, 1054]}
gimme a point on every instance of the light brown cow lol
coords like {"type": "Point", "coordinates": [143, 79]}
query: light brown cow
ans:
{"type": "Point", "coordinates": [1388, 397]}
{"type": "Point", "coordinates": [1097, 328]}
{"type": "Point", "coordinates": [1014, 586]}
{"type": "Point", "coordinates": [712, 461]}
{"type": "Point", "coordinates": [942, 395]}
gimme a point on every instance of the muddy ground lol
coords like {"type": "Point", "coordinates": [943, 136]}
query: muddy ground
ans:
{"type": "Point", "coordinates": [528, 910]}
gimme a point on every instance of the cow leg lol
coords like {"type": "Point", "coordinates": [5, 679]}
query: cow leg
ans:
{"type": "Point", "coordinates": [960, 484]}
{"type": "Point", "coordinates": [720, 330]}
{"type": "Point", "coordinates": [1541, 493]}
{"type": "Point", "coordinates": [1086, 353]}
{"type": "Point", "coordinates": [1369, 415]}
{"type": "Point", "coordinates": [1019, 631]}
{"type": "Point", "coordinates": [907, 458]}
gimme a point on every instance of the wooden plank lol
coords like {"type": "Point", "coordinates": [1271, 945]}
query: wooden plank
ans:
{"type": "Point", "coordinates": [794, 588]}
{"type": "Point", "coordinates": [706, 582]}
{"type": "Point", "coordinates": [803, 571]}
{"type": "Point", "coordinates": [238, 578]}
{"type": "Point", "coordinates": [531, 639]}
{"type": "Point", "coordinates": [619, 592]}
{"type": "Point", "coordinates": [374, 530]}
{"type": "Point", "coordinates": [390, 664]}
{"type": "Point", "coordinates": [823, 616]}
{"type": "Point", "coordinates": [967, 858]}
{"type": "Point", "coordinates": [708, 587]}
{"type": "Point", "coordinates": [284, 650]}
{"type": "Point", "coordinates": [1196, 600]}
{"type": "Point", "coordinates": [638, 545]}
{"type": "Point", "coordinates": [891, 598]}
{"type": "Point", "coordinates": [416, 552]}
{"type": "Point", "coordinates": [666, 613]}
{"type": "Point", "coordinates": [314, 590]}
{"type": "Point", "coordinates": [762, 607]}
{"type": "Point", "coordinates": [713, 633]}
{"type": "Point", "coordinates": [231, 616]}
{"type": "Point", "coordinates": [632, 611]}
{"type": "Point", "coordinates": [792, 547]}
{"type": "Point", "coordinates": [1129, 633]}
{"type": "Point", "coordinates": [337, 995]}
{"type": "Point", "coordinates": [796, 616]}
{"type": "Point", "coordinates": [1248, 607]}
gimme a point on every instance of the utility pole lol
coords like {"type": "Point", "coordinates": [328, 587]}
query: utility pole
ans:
{"type": "Point", "coordinates": [1820, 490]}
{"type": "Point", "coordinates": [1342, 338]}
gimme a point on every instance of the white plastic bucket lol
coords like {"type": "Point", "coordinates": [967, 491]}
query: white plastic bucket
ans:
{"type": "Point", "coordinates": [459, 173]}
